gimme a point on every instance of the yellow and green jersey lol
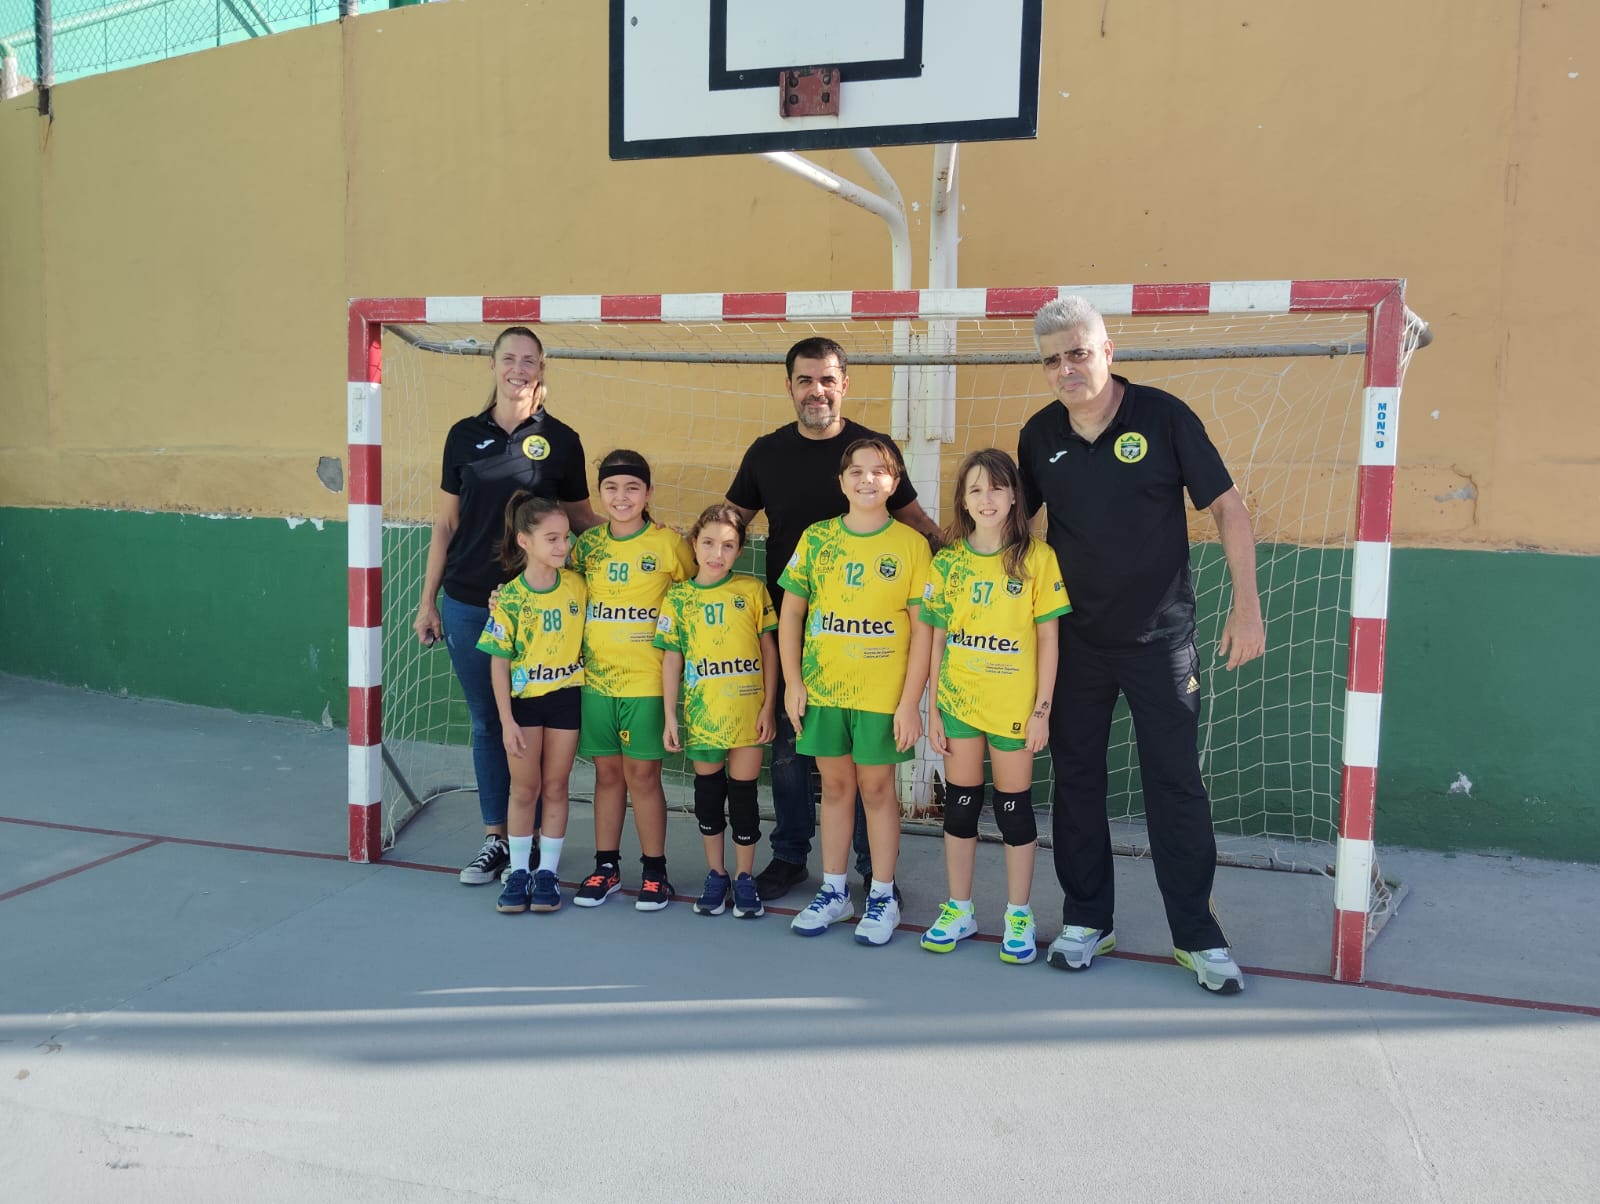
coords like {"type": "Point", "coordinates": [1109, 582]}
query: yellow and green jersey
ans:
{"type": "Point", "coordinates": [861, 594]}
{"type": "Point", "coordinates": [717, 629]}
{"type": "Point", "coordinates": [540, 633]}
{"type": "Point", "coordinates": [627, 577]}
{"type": "Point", "coordinates": [989, 675]}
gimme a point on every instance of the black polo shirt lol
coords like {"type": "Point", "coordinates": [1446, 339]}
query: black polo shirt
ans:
{"type": "Point", "coordinates": [1116, 513]}
{"type": "Point", "coordinates": [484, 466]}
{"type": "Point", "coordinates": [796, 481]}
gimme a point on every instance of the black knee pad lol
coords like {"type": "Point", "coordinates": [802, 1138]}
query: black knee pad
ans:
{"type": "Point", "coordinates": [710, 791]}
{"type": "Point", "coordinates": [962, 806]}
{"type": "Point", "coordinates": [744, 814]}
{"type": "Point", "coordinates": [1013, 815]}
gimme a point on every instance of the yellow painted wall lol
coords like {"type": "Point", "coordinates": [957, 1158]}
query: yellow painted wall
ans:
{"type": "Point", "coordinates": [203, 221]}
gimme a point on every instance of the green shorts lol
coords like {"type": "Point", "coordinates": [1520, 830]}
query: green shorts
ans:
{"type": "Point", "coordinates": [957, 730]}
{"type": "Point", "coordinates": [628, 727]}
{"type": "Point", "coordinates": [866, 737]}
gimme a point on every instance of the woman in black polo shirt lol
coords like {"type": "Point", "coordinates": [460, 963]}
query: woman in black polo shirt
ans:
{"type": "Point", "coordinates": [512, 443]}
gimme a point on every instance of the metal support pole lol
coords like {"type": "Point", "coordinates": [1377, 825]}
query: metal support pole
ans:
{"type": "Point", "coordinates": [45, 47]}
{"type": "Point", "coordinates": [349, 8]}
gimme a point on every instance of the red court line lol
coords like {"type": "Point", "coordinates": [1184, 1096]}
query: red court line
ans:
{"type": "Point", "coordinates": [78, 869]}
{"type": "Point", "coordinates": [1505, 1001]}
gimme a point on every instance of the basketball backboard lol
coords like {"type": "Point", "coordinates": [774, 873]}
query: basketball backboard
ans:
{"type": "Point", "coordinates": [702, 77]}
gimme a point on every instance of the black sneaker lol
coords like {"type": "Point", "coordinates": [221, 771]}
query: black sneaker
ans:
{"type": "Point", "coordinates": [746, 898]}
{"type": "Point", "coordinates": [713, 900]}
{"type": "Point", "coordinates": [516, 893]}
{"type": "Point", "coordinates": [655, 892]}
{"type": "Point", "coordinates": [486, 866]}
{"type": "Point", "coordinates": [598, 887]}
{"type": "Point", "coordinates": [779, 878]}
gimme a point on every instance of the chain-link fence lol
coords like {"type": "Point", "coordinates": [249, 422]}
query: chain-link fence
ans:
{"type": "Point", "coordinates": [85, 37]}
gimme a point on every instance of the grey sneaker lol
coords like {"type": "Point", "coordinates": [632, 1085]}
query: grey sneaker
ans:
{"type": "Point", "coordinates": [878, 921]}
{"type": "Point", "coordinates": [1215, 968]}
{"type": "Point", "coordinates": [829, 907]}
{"type": "Point", "coordinates": [1077, 947]}
{"type": "Point", "coordinates": [486, 866]}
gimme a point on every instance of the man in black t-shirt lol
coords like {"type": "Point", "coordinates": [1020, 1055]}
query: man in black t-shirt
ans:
{"type": "Point", "coordinates": [1111, 461]}
{"type": "Point", "coordinates": [793, 474]}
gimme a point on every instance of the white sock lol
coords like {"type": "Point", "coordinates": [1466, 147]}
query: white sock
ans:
{"type": "Point", "coordinates": [882, 888]}
{"type": "Point", "coordinates": [1019, 909]}
{"type": "Point", "coordinates": [839, 882]}
{"type": "Point", "coordinates": [521, 851]}
{"type": "Point", "coordinates": [963, 904]}
{"type": "Point", "coordinates": [550, 853]}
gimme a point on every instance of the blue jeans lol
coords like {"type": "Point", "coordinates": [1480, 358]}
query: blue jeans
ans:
{"type": "Point", "coordinates": [794, 800]}
{"type": "Point", "coordinates": [463, 625]}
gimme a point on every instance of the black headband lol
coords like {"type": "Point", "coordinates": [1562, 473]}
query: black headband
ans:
{"type": "Point", "coordinates": [641, 470]}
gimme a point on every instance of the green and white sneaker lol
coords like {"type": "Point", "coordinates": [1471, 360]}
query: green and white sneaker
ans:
{"type": "Point", "coordinates": [1215, 968]}
{"type": "Point", "coordinates": [1020, 945]}
{"type": "Point", "coordinates": [1077, 947]}
{"type": "Point", "coordinates": [954, 924]}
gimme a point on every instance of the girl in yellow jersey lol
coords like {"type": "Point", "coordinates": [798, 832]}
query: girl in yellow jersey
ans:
{"type": "Point", "coordinates": [628, 563]}
{"type": "Point", "coordinates": [716, 633]}
{"type": "Point", "coordinates": [535, 637]}
{"type": "Point", "coordinates": [855, 664]}
{"type": "Point", "coordinates": [993, 599]}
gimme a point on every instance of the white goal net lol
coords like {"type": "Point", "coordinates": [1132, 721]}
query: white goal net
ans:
{"type": "Point", "coordinates": [1281, 396]}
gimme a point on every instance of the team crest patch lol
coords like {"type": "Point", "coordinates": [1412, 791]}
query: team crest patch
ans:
{"type": "Point", "coordinates": [647, 564]}
{"type": "Point", "coordinates": [572, 608]}
{"type": "Point", "coordinates": [1013, 587]}
{"type": "Point", "coordinates": [888, 567]}
{"type": "Point", "coordinates": [536, 447]}
{"type": "Point", "coordinates": [627, 737]}
{"type": "Point", "coordinates": [1130, 448]}
{"type": "Point", "coordinates": [738, 604]}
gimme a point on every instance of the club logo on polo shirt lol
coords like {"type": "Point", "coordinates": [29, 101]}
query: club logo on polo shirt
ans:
{"type": "Point", "coordinates": [647, 564]}
{"type": "Point", "coordinates": [1130, 448]}
{"type": "Point", "coordinates": [572, 607]}
{"type": "Point", "coordinates": [738, 602]}
{"type": "Point", "coordinates": [536, 447]}
{"type": "Point", "coordinates": [1013, 587]}
{"type": "Point", "coordinates": [888, 567]}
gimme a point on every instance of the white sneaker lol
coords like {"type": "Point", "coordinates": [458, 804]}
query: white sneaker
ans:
{"type": "Point", "coordinates": [1077, 947]}
{"type": "Point", "coordinates": [1020, 944]}
{"type": "Point", "coordinates": [878, 922]}
{"type": "Point", "coordinates": [954, 924]}
{"type": "Point", "coordinates": [1215, 968]}
{"type": "Point", "coordinates": [827, 908]}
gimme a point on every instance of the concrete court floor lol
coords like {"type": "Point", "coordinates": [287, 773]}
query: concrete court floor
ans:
{"type": "Point", "coordinates": [183, 1019]}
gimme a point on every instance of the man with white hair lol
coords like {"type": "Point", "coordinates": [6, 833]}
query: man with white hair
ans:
{"type": "Point", "coordinates": [1111, 460]}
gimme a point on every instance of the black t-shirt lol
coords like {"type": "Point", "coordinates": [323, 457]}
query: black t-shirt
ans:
{"type": "Point", "coordinates": [796, 481]}
{"type": "Point", "coordinates": [484, 466]}
{"type": "Point", "coordinates": [1116, 513]}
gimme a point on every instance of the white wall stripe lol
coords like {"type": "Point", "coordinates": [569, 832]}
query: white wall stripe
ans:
{"type": "Point", "coordinates": [364, 423]}
{"type": "Point", "coordinates": [691, 307]}
{"type": "Point", "coordinates": [1369, 581]}
{"type": "Point", "coordinates": [1380, 414]}
{"type": "Point", "coordinates": [1362, 713]}
{"type": "Point", "coordinates": [365, 537]}
{"type": "Point", "coordinates": [576, 307]}
{"type": "Point", "coordinates": [1244, 296]}
{"type": "Point", "coordinates": [366, 656]}
{"type": "Point", "coordinates": [365, 767]}
{"type": "Point", "coordinates": [819, 305]}
{"type": "Point", "coordinates": [454, 309]}
{"type": "Point", "coordinates": [953, 302]}
{"type": "Point", "coordinates": [1352, 881]}
{"type": "Point", "coordinates": [1107, 298]}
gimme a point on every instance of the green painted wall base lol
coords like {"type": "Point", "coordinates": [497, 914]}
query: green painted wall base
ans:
{"type": "Point", "coordinates": [1491, 688]}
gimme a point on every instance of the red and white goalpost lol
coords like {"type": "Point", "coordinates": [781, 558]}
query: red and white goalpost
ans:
{"type": "Point", "coordinates": [690, 379]}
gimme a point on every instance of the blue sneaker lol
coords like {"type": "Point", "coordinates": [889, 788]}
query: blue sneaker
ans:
{"type": "Point", "coordinates": [546, 894]}
{"type": "Point", "coordinates": [713, 900]}
{"type": "Point", "coordinates": [747, 903]}
{"type": "Point", "coordinates": [516, 894]}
